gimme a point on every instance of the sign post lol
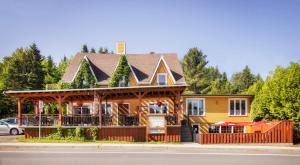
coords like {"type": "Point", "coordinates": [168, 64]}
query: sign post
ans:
{"type": "Point", "coordinates": [41, 105]}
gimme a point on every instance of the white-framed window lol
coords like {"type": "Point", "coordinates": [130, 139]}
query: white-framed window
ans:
{"type": "Point", "coordinates": [195, 107]}
{"type": "Point", "coordinates": [162, 79]}
{"type": "Point", "coordinates": [212, 128]}
{"type": "Point", "coordinates": [122, 82]}
{"type": "Point", "coordinates": [237, 107]}
{"type": "Point", "coordinates": [238, 129]}
{"type": "Point", "coordinates": [107, 108]}
{"type": "Point", "coordinates": [159, 109]}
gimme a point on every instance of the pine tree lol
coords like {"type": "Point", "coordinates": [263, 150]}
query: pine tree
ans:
{"type": "Point", "coordinates": [105, 51]}
{"type": "Point", "coordinates": [100, 50]}
{"type": "Point", "coordinates": [93, 50]}
{"type": "Point", "coordinates": [84, 49]}
{"type": "Point", "coordinates": [241, 81]}
{"type": "Point", "coordinates": [50, 71]}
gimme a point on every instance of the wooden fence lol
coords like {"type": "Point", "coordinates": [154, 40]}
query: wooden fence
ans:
{"type": "Point", "coordinates": [281, 132]}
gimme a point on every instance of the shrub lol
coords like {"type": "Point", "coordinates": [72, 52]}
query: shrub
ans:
{"type": "Point", "coordinates": [58, 135]}
{"type": "Point", "coordinates": [79, 133]}
{"type": "Point", "coordinates": [94, 132]}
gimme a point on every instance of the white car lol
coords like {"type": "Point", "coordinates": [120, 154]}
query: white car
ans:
{"type": "Point", "coordinates": [10, 127]}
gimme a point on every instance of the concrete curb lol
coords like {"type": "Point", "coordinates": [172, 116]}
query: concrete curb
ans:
{"type": "Point", "coordinates": [128, 147]}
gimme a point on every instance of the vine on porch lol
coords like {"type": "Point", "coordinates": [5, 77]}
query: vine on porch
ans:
{"type": "Point", "coordinates": [122, 69]}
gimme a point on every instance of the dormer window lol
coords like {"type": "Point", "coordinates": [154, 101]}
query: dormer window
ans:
{"type": "Point", "coordinates": [161, 78]}
{"type": "Point", "coordinates": [122, 82]}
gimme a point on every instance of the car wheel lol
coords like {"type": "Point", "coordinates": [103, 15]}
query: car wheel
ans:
{"type": "Point", "coordinates": [14, 131]}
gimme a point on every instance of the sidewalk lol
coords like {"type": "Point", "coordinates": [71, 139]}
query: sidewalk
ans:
{"type": "Point", "coordinates": [141, 147]}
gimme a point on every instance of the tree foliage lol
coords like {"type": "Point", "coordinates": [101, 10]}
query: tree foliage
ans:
{"type": "Point", "coordinates": [50, 71]}
{"type": "Point", "coordinates": [20, 71]}
{"type": "Point", "coordinates": [84, 49]}
{"type": "Point", "coordinates": [241, 81]}
{"type": "Point", "coordinates": [279, 97]}
{"type": "Point", "coordinates": [220, 85]}
{"type": "Point", "coordinates": [122, 69]}
{"type": "Point", "coordinates": [198, 76]}
{"type": "Point", "coordinates": [93, 50]}
{"type": "Point", "coordinates": [23, 70]}
{"type": "Point", "coordinates": [84, 77]}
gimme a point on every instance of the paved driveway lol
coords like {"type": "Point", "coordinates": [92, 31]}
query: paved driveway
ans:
{"type": "Point", "coordinates": [6, 138]}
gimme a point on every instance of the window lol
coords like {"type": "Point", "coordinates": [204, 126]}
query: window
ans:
{"type": "Point", "coordinates": [122, 82]}
{"type": "Point", "coordinates": [238, 129]}
{"type": "Point", "coordinates": [154, 108]}
{"type": "Point", "coordinates": [225, 129]}
{"type": "Point", "coordinates": [195, 107]}
{"type": "Point", "coordinates": [213, 129]}
{"type": "Point", "coordinates": [237, 107]}
{"type": "Point", "coordinates": [161, 79]}
{"type": "Point", "coordinates": [107, 109]}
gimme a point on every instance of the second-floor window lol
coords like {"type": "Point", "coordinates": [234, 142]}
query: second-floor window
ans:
{"type": "Point", "coordinates": [237, 107]}
{"type": "Point", "coordinates": [195, 107]}
{"type": "Point", "coordinates": [107, 109]}
{"type": "Point", "coordinates": [161, 79]}
{"type": "Point", "coordinates": [154, 108]}
{"type": "Point", "coordinates": [122, 82]}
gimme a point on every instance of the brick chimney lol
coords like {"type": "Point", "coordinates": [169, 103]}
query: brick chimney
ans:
{"type": "Point", "coordinates": [121, 47]}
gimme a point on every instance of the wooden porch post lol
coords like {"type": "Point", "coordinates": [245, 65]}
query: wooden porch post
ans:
{"type": "Point", "coordinates": [100, 110]}
{"type": "Point", "coordinates": [140, 107]}
{"type": "Point", "coordinates": [178, 108]}
{"type": "Point", "coordinates": [59, 101]}
{"type": "Point", "coordinates": [36, 110]}
{"type": "Point", "coordinates": [19, 110]}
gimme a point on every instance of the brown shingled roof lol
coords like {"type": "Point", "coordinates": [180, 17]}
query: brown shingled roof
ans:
{"type": "Point", "coordinates": [143, 66]}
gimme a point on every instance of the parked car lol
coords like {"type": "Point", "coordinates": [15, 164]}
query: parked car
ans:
{"type": "Point", "coordinates": [10, 126]}
{"type": "Point", "coordinates": [11, 120]}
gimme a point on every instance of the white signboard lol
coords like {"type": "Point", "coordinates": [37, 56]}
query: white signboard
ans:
{"type": "Point", "coordinates": [156, 124]}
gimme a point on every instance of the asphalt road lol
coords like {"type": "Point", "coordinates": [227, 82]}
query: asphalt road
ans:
{"type": "Point", "coordinates": [144, 158]}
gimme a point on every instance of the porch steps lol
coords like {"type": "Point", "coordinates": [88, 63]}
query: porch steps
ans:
{"type": "Point", "coordinates": [186, 135]}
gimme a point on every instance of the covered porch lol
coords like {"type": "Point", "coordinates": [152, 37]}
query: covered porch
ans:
{"type": "Point", "coordinates": [106, 108]}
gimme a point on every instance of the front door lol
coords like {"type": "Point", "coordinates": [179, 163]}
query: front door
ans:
{"type": "Point", "coordinates": [196, 131]}
{"type": "Point", "coordinates": [123, 110]}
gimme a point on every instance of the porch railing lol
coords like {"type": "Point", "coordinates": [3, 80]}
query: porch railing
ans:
{"type": "Point", "coordinates": [33, 120]}
{"type": "Point", "coordinates": [171, 119]}
{"type": "Point", "coordinates": [80, 120]}
{"type": "Point", "coordinates": [128, 120]}
{"type": "Point", "coordinates": [87, 120]}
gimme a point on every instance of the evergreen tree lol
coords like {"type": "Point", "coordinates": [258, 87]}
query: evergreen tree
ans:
{"type": "Point", "coordinates": [220, 85]}
{"type": "Point", "coordinates": [50, 71]}
{"type": "Point", "coordinates": [101, 51]}
{"type": "Point", "coordinates": [105, 51]}
{"type": "Point", "coordinates": [197, 75]}
{"type": "Point", "coordinates": [61, 68]}
{"type": "Point", "coordinates": [93, 50]}
{"type": "Point", "coordinates": [84, 49]}
{"type": "Point", "coordinates": [241, 81]}
{"type": "Point", "coordinates": [23, 70]}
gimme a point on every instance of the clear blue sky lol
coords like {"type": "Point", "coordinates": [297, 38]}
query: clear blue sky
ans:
{"type": "Point", "coordinates": [232, 33]}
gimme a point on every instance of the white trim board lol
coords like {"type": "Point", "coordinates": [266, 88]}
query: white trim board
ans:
{"type": "Point", "coordinates": [168, 69]}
